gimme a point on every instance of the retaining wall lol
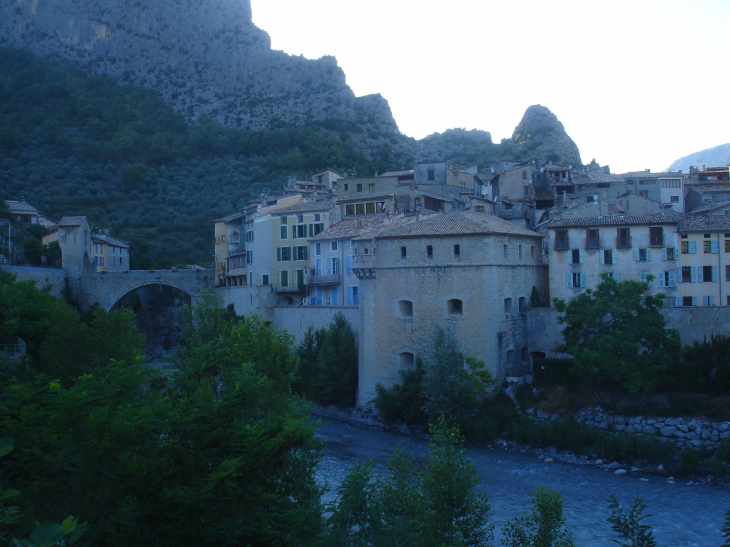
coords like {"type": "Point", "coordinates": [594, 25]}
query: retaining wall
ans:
{"type": "Point", "coordinates": [297, 319]}
{"type": "Point", "coordinates": [43, 277]}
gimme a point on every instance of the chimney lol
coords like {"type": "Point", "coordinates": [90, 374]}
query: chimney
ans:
{"type": "Point", "coordinates": [566, 199]}
{"type": "Point", "coordinates": [647, 170]}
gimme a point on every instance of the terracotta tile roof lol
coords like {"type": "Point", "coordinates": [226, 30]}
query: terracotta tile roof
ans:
{"type": "Point", "coordinates": [697, 223]}
{"type": "Point", "coordinates": [20, 207]}
{"type": "Point", "coordinates": [365, 227]}
{"type": "Point", "coordinates": [110, 240]}
{"type": "Point", "coordinates": [457, 223]}
{"type": "Point", "coordinates": [304, 207]}
{"type": "Point", "coordinates": [710, 207]}
{"type": "Point", "coordinates": [70, 221]}
{"type": "Point", "coordinates": [229, 218]}
{"type": "Point", "coordinates": [616, 220]}
{"type": "Point", "coordinates": [397, 173]}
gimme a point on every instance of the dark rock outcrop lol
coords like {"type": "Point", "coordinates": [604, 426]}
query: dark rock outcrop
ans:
{"type": "Point", "coordinates": [202, 56]}
{"type": "Point", "coordinates": [541, 136]}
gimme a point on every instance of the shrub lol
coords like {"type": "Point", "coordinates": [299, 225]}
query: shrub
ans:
{"type": "Point", "coordinates": [555, 371]}
{"type": "Point", "coordinates": [403, 402]}
{"type": "Point", "coordinates": [544, 527]}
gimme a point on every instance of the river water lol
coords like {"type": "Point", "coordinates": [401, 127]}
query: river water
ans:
{"type": "Point", "coordinates": [681, 514]}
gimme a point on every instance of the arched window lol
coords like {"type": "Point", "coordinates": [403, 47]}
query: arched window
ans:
{"type": "Point", "coordinates": [522, 303]}
{"type": "Point", "coordinates": [524, 356]}
{"type": "Point", "coordinates": [405, 308]}
{"type": "Point", "coordinates": [407, 359]}
{"type": "Point", "coordinates": [507, 305]}
{"type": "Point", "coordinates": [510, 356]}
{"type": "Point", "coordinates": [455, 307]}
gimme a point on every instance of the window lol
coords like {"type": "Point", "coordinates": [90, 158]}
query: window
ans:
{"type": "Point", "coordinates": [613, 275]}
{"type": "Point", "coordinates": [283, 232]}
{"type": "Point", "coordinates": [121, 260]}
{"type": "Point", "coordinates": [727, 273]}
{"type": "Point", "coordinates": [353, 297]}
{"type": "Point", "coordinates": [727, 245]}
{"type": "Point", "coordinates": [674, 199]}
{"type": "Point", "coordinates": [349, 210]}
{"type": "Point", "coordinates": [642, 255]}
{"type": "Point", "coordinates": [334, 266]}
{"type": "Point", "coordinates": [684, 245]}
{"type": "Point", "coordinates": [316, 228]}
{"type": "Point", "coordinates": [283, 254]}
{"type": "Point", "coordinates": [507, 305]}
{"type": "Point", "coordinates": [644, 277]}
{"type": "Point", "coordinates": [707, 274]}
{"type": "Point", "coordinates": [317, 249]}
{"type": "Point", "coordinates": [403, 253]}
{"type": "Point", "coordinates": [686, 274]}
{"type": "Point", "coordinates": [593, 240]}
{"type": "Point", "coordinates": [532, 251]}
{"type": "Point", "coordinates": [455, 307]}
{"type": "Point", "coordinates": [561, 240]}
{"type": "Point", "coordinates": [522, 303]}
{"type": "Point", "coordinates": [708, 300]}
{"type": "Point", "coordinates": [457, 252]}
{"type": "Point", "coordinates": [607, 256]}
{"type": "Point", "coordinates": [431, 174]}
{"type": "Point", "coordinates": [526, 191]}
{"type": "Point", "coordinates": [346, 185]}
{"type": "Point", "coordinates": [707, 246]}
{"type": "Point", "coordinates": [300, 252]}
{"type": "Point", "coordinates": [360, 208]}
{"type": "Point", "coordinates": [407, 360]}
{"type": "Point", "coordinates": [687, 300]}
{"type": "Point", "coordinates": [333, 246]}
{"type": "Point", "coordinates": [656, 236]}
{"type": "Point", "coordinates": [319, 178]}
{"type": "Point", "coordinates": [284, 278]}
{"type": "Point", "coordinates": [577, 256]}
{"type": "Point", "coordinates": [370, 208]}
{"type": "Point", "coordinates": [706, 236]}
{"type": "Point", "coordinates": [429, 251]}
{"type": "Point", "coordinates": [667, 279]}
{"type": "Point", "coordinates": [299, 231]}
{"type": "Point", "coordinates": [575, 280]}
{"type": "Point", "coordinates": [265, 279]}
{"type": "Point", "coordinates": [371, 188]}
{"type": "Point", "coordinates": [249, 257]}
{"type": "Point", "coordinates": [317, 217]}
{"type": "Point", "coordinates": [359, 187]}
{"type": "Point", "coordinates": [520, 251]}
{"type": "Point", "coordinates": [623, 237]}
{"type": "Point", "coordinates": [504, 251]}
{"type": "Point", "coordinates": [300, 218]}
{"type": "Point", "coordinates": [670, 253]}
{"type": "Point", "coordinates": [282, 220]}
{"type": "Point", "coordinates": [524, 174]}
{"type": "Point", "coordinates": [405, 308]}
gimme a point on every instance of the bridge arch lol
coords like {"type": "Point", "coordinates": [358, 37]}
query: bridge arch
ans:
{"type": "Point", "coordinates": [151, 283]}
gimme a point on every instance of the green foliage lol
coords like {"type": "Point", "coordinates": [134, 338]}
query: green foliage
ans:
{"type": "Point", "coordinates": [403, 402]}
{"type": "Point", "coordinates": [690, 459]}
{"type": "Point", "coordinates": [432, 506]}
{"type": "Point", "coordinates": [449, 389]}
{"type": "Point", "coordinates": [52, 534]}
{"type": "Point", "coordinates": [726, 530]}
{"type": "Point", "coordinates": [327, 371]}
{"type": "Point", "coordinates": [32, 250]}
{"type": "Point", "coordinates": [78, 144]}
{"type": "Point", "coordinates": [544, 527]}
{"type": "Point", "coordinates": [707, 366]}
{"type": "Point", "coordinates": [628, 526]}
{"type": "Point", "coordinates": [555, 371]}
{"type": "Point", "coordinates": [213, 453]}
{"type": "Point", "coordinates": [536, 300]}
{"type": "Point", "coordinates": [617, 332]}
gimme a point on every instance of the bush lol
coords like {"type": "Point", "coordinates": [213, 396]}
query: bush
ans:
{"type": "Point", "coordinates": [403, 402]}
{"type": "Point", "coordinates": [555, 371]}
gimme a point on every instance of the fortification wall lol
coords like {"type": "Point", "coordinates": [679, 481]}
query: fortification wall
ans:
{"type": "Point", "coordinates": [43, 277]}
{"type": "Point", "coordinates": [297, 319]}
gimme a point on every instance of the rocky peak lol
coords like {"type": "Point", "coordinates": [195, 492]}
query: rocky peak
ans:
{"type": "Point", "coordinates": [541, 136]}
{"type": "Point", "coordinates": [202, 56]}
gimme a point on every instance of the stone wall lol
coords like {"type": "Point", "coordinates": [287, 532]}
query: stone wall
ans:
{"type": "Point", "coordinates": [297, 319]}
{"type": "Point", "coordinates": [43, 277]}
{"type": "Point", "coordinates": [679, 431]}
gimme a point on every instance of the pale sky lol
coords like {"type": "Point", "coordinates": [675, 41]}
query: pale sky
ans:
{"type": "Point", "coordinates": [636, 83]}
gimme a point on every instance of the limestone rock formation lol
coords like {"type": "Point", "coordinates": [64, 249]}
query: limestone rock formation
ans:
{"type": "Point", "coordinates": [541, 136]}
{"type": "Point", "coordinates": [203, 56]}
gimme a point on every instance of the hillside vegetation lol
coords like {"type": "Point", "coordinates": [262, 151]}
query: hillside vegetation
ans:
{"type": "Point", "coordinates": [77, 144]}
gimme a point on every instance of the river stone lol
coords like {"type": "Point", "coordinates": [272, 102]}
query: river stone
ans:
{"type": "Point", "coordinates": [613, 465]}
{"type": "Point", "coordinates": [620, 472]}
{"type": "Point", "coordinates": [706, 434]}
{"type": "Point", "coordinates": [725, 434]}
{"type": "Point", "coordinates": [619, 427]}
{"type": "Point", "coordinates": [671, 421]}
{"type": "Point", "coordinates": [683, 427]}
{"type": "Point", "coordinates": [542, 415]}
{"type": "Point", "coordinates": [668, 430]}
{"type": "Point", "coordinates": [649, 430]}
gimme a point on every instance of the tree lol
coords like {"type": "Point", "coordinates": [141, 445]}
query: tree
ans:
{"type": "Point", "coordinates": [452, 383]}
{"type": "Point", "coordinates": [617, 331]}
{"type": "Point", "coordinates": [544, 527]}
{"type": "Point", "coordinates": [32, 249]}
{"type": "Point", "coordinates": [628, 526]}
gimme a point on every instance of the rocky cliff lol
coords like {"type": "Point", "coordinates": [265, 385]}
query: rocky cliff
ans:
{"type": "Point", "coordinates": [202, 56]}
{"type": "Point", "coordinates": [541, 136]}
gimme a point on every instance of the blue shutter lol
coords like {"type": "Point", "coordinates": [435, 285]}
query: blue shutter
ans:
{"type": "Point", "coordinates": [700, 274]}
{"type": "Point", "coordinates": [672, 278]}
{"type": "Point", "coordinates": [715, 247]}
{"type": "Point", "coordinates": [648, 255]}
{"type": "Point", "coordinates": [278, 254]}
{"type": "Point", "coordinates": [582, 279]}
{"type": "Point", "coordinates": [580, 256]}
{"type": "Point", "coordinates": [614, 257]}
{"type": "Point", "coordinates": [601, 257]}
{"type": "Point", "coordinates": [694, 301]}
{"type": "Point", "coordinates": [569, 280]}
{"type": "Point", "coordinates": [348, 265]}
{"type": "Point", "coordinates": [660, 276]}
{"type": "Point", "coordinates": [714, 274]}
{"type": "Point", "coordinates": [636, 255]}
{"type": "Point", "coordinates": [679, 275]}
{"type": "Point", "coordinates": [664, 253]}
{"type": "Point", "coordinates": [693, 247]}
{"type": "Point", "coordinates": [616, 277]}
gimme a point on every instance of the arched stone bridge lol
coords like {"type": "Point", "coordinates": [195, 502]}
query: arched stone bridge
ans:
{"type": "Point", "coordinates": [106, 289]}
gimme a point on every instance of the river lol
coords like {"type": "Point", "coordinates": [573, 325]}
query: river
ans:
{"type": "Point", "coordinates": [682, 514]}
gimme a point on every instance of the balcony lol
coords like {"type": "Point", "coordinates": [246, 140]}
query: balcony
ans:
{"type": "Point", "coordinates": [323, 280]}
{"type": "Point", "coordinates": [290, 288]}
{"type": "Point", "coordinates": [234, 239]}
{"type": "Point", "coordinates": [562, 244]}
{"type": "Point", "coordinates": [623, 242]}
{"type": "Point", "coordinates": [593, 243]}
{"type": "Point", "coordinates": [656, 240]}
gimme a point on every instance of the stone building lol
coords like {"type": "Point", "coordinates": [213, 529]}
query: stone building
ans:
{"type": "Point", "coordinates": [109, 254]}
{"type": "Point", "coordinates": [468, 272]}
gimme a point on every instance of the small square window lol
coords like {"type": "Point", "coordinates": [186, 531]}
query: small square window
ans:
{"type": "Point", "coordinates": [345, 186]}
{"type": "Point", "coordinates": [431, 174]}
{"type": "Point", "coordinates": [300, 218]}
{"type": "Point", "coordinates": [371, 187]}
{"type": "Point", "coordinates": [317, 217]}
{"type": "Point", "coordinates": [333, 246]}
{"type": "Point", "coordinates": [359, 187]}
